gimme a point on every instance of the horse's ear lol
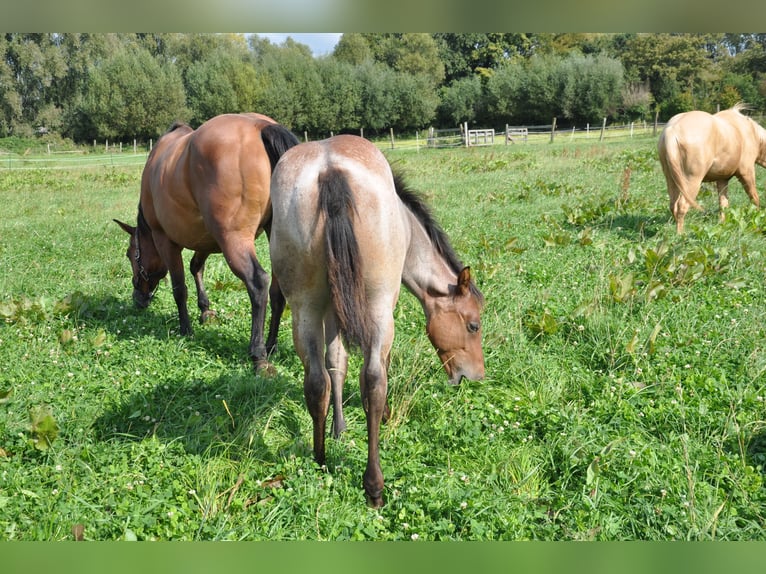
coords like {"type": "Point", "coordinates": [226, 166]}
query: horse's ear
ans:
{"type": "Point", "coordinates": [128, 228]}
{"type": "Point", "coordinates": [464, 282]}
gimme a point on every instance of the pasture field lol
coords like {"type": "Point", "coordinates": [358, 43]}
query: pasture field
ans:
{"type": "Point", "coordinates": [625, 396]}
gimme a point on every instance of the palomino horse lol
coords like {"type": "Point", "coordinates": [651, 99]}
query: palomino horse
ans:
{"type": "Point", "coordinates": [208, 190]}
{"type": "Point", "coordinates": [697, 146]}
{"type": "Point", "coordinates": [346, 233]}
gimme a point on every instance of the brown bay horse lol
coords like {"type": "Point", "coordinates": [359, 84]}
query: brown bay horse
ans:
{"type": "Point", "coordinates": [207, 190]}
{"type": "Point", "coordinates": [346, 234]}
{"type": "Point", "coordinates": [696, 146]}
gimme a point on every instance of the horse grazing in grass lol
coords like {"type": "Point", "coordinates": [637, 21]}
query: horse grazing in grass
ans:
{"type": "Point", "coordinates": [208, 190]}
{"type": "Point", "coordinates": [697, 146]}
{"type": "Point", "coordinates": [346, 233]}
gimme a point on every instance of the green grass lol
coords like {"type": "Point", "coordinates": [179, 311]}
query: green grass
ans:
{"type": "Point", "coordinates": [625, 395]}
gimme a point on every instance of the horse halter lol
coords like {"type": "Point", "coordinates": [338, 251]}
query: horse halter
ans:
{"type": "Point", "coordinates": [142, 273]}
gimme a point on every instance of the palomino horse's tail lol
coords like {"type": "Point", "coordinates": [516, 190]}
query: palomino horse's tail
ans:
{"type": "Point", "coordinates": [277, 139]}
{"type": "Point", "coordinates": [672, 166]}
{"type": "Point", "coordinates": [344, 263]}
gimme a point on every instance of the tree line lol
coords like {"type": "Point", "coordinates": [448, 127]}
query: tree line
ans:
{"type": "Point", "coordinates": [118, 86]}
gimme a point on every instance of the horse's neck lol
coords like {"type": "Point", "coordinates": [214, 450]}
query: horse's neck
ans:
{"type": "Point", "coordinates": [426, 274]}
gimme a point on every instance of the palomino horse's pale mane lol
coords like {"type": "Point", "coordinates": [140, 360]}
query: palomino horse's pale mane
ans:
{"type": "Point", "coordinates": [417, 206]}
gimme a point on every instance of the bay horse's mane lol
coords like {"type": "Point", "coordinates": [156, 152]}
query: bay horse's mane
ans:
{"type": "Point", "coordinates": [418, 207]}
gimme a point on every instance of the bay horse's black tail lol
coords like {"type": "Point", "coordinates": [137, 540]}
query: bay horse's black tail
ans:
{"type": "Point", "coordinates": [277, 139]}
{"type": "Point", "coordinates": [344, 264]}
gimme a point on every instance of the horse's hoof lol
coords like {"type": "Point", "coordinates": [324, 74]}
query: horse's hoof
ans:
{"type": "Point", "coordinates": [264, 368]}
{"type": "Point", "coordinates": [374, 501]}
{"type": "Point", "coordinates": [207, 315]}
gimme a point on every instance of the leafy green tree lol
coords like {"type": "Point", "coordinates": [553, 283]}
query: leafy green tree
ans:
{"type": "Point", "coordinates": [591, 87]}
{"type": "Point", "coordinates": [378, 105]}
{"type": "Point", "coordinates": [33, 64]}
{"type": "Point", "coordinates": [466, 54]}
{"type": "Point", "coordinates": [293, 88]}
{"type": "Point", "coordinates": [221, 83]}
{"type": "Point", "coordinates": [130, 95]}
{"type": "Point", "coordinates": [461, 101]}
{"type": "Point", "coordinates": [341, 91]}
{"type": "Point", "coordinates": [353, 49]}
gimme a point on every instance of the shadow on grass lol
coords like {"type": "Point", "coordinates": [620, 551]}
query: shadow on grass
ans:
{"type": "Point", "coordinates": [636, 227]}
{"type": "Point", "coordinates": [260, 414]}
{"type": "Point", "coordinates": [756, 451]}
{"type": "Point", "coordinates": [120, 317]}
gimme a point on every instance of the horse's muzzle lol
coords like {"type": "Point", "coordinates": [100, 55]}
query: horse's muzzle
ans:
{"type": "Point", "coordinates": [142, 300]}
{"type": "Point", "coordinates": [456, 377]}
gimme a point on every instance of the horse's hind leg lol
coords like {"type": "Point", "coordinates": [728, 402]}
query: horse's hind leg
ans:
{"type": "Point", "coordinates": [723, 198]}
{"type": "Point", "coordinates": [336, 362]}
{"type": "Point", "coordinates": [309, 344]}
{"type": "Point", "coordinates": [277, 302]}
{"type": "Point", "coordinates": [245, 265]}
{"type": "Point", "coordinates": [197, 269]}
{"type": "Point", "coordinates": [373, 382]}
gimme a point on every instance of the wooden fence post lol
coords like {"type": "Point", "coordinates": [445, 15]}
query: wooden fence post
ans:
{"type": "Point", "coordinates": [553, 130]}
{"type": "Point", "coordinates": [603, 128]}
{"type": "Point", "coordinates": [392, 138]}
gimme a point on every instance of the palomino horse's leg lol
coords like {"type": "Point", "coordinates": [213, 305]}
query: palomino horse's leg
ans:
{"type": "Point", "coordinates": [747, 179]}
{"type": "Point", "coordinates": [336, 362]}
{"type": "Point", "coordinates": [723, 198]}
{"type": "Point", "coordinates": [197, 269]}
{"type": "Point", "coordinates": [309, 344]}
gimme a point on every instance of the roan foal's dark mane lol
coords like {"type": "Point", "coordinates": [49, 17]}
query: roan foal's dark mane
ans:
{"type": "Point", "coordinates": [418, 207]}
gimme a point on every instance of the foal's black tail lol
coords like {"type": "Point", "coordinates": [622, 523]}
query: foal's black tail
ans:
{"type": "Point", "coordinates": [344, 264]}
{"type": "Point", "coordinates": [277, 139]}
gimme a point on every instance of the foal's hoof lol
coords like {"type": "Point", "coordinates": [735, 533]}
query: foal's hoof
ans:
{"type": "Point", "coordinates": [264, 368]}
{"type": "Point", "coordinates": [207, 315]}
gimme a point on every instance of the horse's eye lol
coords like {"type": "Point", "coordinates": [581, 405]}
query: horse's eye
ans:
{"type": "Point", "coordinates": [474, 327]}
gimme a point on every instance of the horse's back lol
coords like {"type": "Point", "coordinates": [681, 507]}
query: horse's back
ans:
{"type": "Point", "coordinates": [706, 147]}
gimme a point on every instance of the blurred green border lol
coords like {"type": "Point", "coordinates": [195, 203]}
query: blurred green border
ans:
{"type": "Point", "coordinates": [374, 558]}
{"type": "Point", "coordinates": [380, 16]}
{"type": "Point", "coordinates": [383, 16]}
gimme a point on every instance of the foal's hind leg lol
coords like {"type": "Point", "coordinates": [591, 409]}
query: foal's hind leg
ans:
{"type": "Point", "coordinates": [197, 269]}
{"type": "Point", "coordinates": [309, 344]}
{"type": "Point", "coordinates": [336, 362]}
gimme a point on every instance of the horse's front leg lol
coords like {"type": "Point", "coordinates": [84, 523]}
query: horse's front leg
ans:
{"type": "Point", "coordinates": [171, 254]}
{"type": "Point", "coordinates": [197, 269]}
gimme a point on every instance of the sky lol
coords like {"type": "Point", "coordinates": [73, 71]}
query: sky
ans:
{"type": "Point", "coordinates": [320, 43]}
